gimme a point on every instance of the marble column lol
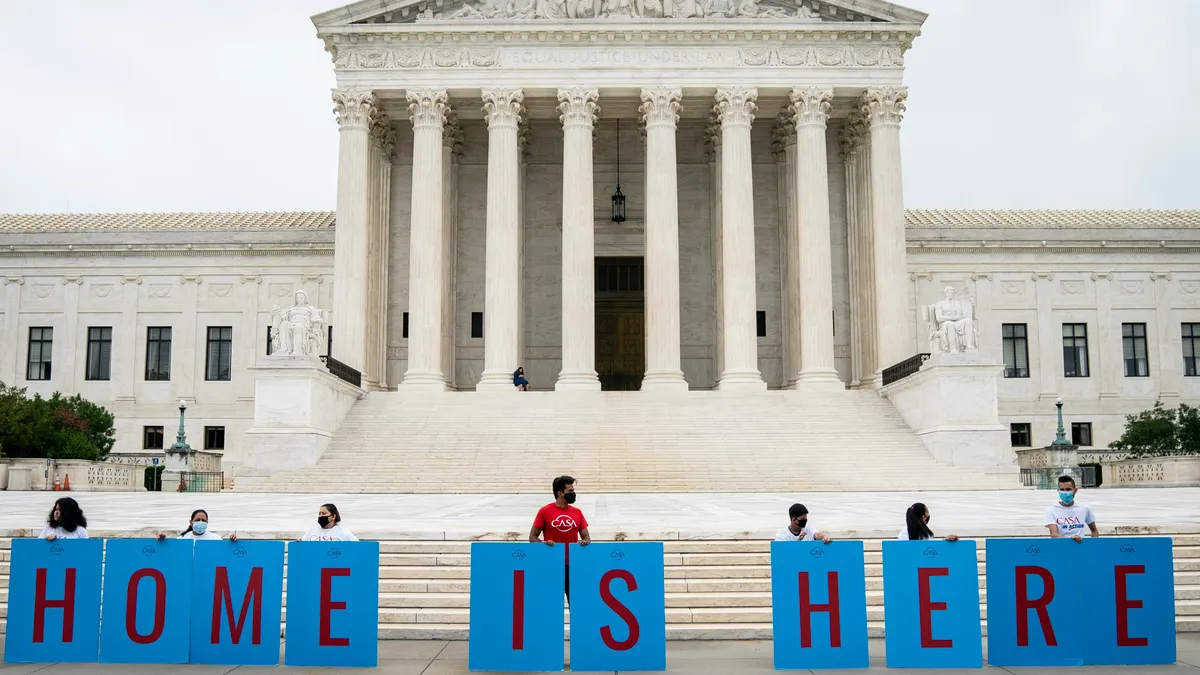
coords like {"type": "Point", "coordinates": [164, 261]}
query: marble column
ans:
{"type": "Point", "coordinates": [126, 362]}
{"type": "Point", "coordinates": [1046, 362]}
{"type": "Point", "coordinates": [864, 246]}
{"type": "Point", "coordinates": [192, 339]}
{"type": "Point", "coordinates": [850, 140]}
{"type": "Point", "coordinates": [11, 367]}
{"type": "Point", "coordinates": [250, 349]}
{"type": "Point", "coordinates": [660, 113]}
{"type": "Point", "coordinates": [817, 371]}
{"type": "Point", "coordinates": [736, 106]}
{"type": "Point", "coordinates": [354, 108]}
{"type": "Point", "coordinates": [784, 139]}
{"type": "Point", "coordinates": [384, 233]}
{"type": "Point", "coordinates": [713, 137]}
{"type": "Point", "coordinates": [452, 140]}
{"type": "Point", "coordinates": [427, 108]}
{"type": "Point", "coordinates": [376, 132]}
{"type": "Point", "coordinates": [884, 108]}
{"type": "Point", "coordinates": [1109, 363]}
{"type": "Point", "coordinates": [501, 318]}
{"type": "Point", "coordinates": [578, 109]}
{"type": "Point", "coordinates": [1170, 347]}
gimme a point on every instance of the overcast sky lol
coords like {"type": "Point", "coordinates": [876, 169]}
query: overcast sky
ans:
{"type": "Point", "coordinates": [223, 105]}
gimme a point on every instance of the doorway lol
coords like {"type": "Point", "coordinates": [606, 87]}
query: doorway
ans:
{"type": "Point", "coordinates": [620, 323]}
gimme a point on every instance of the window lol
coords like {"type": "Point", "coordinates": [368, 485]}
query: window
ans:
{"type": "Point", "coordinates": [1016, 350]}
{"type": "Point", "coordinates": [476, 324]}
{"type": "Point", "coordinates": [620, 275]}
{"type": "Point", "coordinates": [1137, 364]}
{"type": "Point", "coordinates": [1081, 433]}
{"type": "Point", "coordinates": [1020, 434]}
{"type": "Point", "coordinates": [404, 328]}
{"type": "Point", "coordinates": [41, 346]}
{"type": "Point", "coordinates": [269, 328]}
{"type": "Point", "coordinates": [218, 362]}
{"type": "Point", "coordinates": [1191, 349]}
{"type": "Point", "coordinates": [99, 353]}
{"type": "Point", "coordinates": [158, 353]}
{"type": "Point", "coordinates": [329, 340]}
{"type": "Point", "coordinates": [152, 438]}
{"type": "Point", "coordinates": [760, 320]}
{"type": "Point", "coordinates": [214, 438]}
{"type": "Point", "coordinates": [1075, 350]}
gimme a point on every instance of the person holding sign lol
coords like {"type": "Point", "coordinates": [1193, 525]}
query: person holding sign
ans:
{"type": "Point", "coordinates": [916, 525]}
{"type": "Point", "coordinates": [560, 521]}
{"type": "Point", "coordinates": [66, 521]}
{"type": "Point", "coordinates": [198, 529]}
{"type": "Point", "coordinates": [329, 527]}
{"type": "Point", "coordinates": [1068, 518]}
{"type": "Point", "coordinates": [799, 529]}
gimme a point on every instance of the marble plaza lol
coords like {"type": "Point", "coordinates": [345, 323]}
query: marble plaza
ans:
{"type": "Point", "coordinates": [632, 200]}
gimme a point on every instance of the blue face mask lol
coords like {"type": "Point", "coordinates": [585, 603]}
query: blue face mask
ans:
{"type": "Point", "coordinates": [199, 527]}
{"type": "Point", "coordinates": [1066, 497]}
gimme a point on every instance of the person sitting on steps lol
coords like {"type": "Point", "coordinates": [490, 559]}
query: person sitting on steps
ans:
{"type": "Point", "coordinates": [519, 380]}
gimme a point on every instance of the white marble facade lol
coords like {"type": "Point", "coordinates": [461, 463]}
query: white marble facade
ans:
{"type": "Point", "coordinates": [461, 138]}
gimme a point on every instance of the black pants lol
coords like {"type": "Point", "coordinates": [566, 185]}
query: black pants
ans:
{"type": "Point", "coordinates": [567, 583]}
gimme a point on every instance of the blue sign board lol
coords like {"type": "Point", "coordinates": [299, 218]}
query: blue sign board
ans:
{"type": "Point", "coordinates": [1130, 601]}
{"type": "Point", "coordinates": [333, 604]}
{"type": "Point", "coordinates": [931, 604]}
{"type": "Point", "coordinates": [618, 607]}
{"type": "Point", "coordinates": [1035, 602]}
{"type": "Point", "coordinates": [237, 594]}
{"type": "Point", "coordinates": [818, 605]}
{"type": "Point", "coordinates": [517, 606]}
{"type": "Point", "coordinates": [53, 601]}
{"type": "Point", "coordinates": [147, 601]}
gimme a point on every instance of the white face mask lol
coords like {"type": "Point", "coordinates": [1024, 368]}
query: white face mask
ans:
{"type": "Point", "coordinates": [200, 527]}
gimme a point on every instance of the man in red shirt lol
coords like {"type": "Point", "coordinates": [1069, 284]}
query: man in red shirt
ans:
{"type": "Point", "coordinates": [561, 522]}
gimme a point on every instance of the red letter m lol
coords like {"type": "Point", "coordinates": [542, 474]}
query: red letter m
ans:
{"type": "Point", "coordinates": [222, 595]}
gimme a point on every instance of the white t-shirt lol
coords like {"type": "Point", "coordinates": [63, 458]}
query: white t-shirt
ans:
{"type": "Point", "coordinates": [59, 533]}
{"type": "Point", "coordinates": [207, 536]}
{"type": "Point", "coordinates": [1071, 520]}
{"type": "Point", "coordinates": [807, 534]}
{"type": "Point", "coordinates": [335, 533]}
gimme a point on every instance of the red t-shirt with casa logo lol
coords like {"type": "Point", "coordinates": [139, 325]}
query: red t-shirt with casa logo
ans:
{"type": "Point", "coordinates": [560, 525]}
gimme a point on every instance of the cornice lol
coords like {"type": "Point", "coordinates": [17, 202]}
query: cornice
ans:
{"type": "Point", "coordinates": [190, 250]}
{"type": "Point", "coordinates": [1046, 246]}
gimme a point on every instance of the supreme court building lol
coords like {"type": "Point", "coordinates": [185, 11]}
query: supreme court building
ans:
{"type": "Point", "coordinates": [659, 195]}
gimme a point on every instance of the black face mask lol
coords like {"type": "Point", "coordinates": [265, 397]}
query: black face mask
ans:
{"type": "Point", "coordinates": [802, 523]}
{"type": "Point", "coordinates": [569, 497]}
{"type": "Point", "coordinates": [323, 521]}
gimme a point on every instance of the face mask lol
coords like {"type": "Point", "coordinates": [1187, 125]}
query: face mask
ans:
{"type": "Point", "coordinates": [200, 527]}
{"type": "Point", "coordinates": [323, 521]}
{"type": "Point", "coordinates": [569, 497]}
{"type": "Point", "coordinates": [1066, 497]}
{"type": "Point", "coordinates": [803, 523]}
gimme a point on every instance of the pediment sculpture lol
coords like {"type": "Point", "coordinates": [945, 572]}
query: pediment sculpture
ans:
{"type": "Point", "coordinates": [298, 330]}
{"type": "Point", "coordinates": [951, 323]}
{"type": "Point", "coordinates": [634, 9]}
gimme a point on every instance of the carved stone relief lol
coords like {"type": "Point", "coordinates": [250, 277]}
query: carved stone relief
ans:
{"type": "Point", "coordinates": [219, 290]}
{"type": "Point", "coordinates": [101, 290]}
{"type": "Point", "coordinates": [160, 290]}
{"type": "Point", "coordinates": [1131, 287]}
{"type": "Point", "coordinates": [1071, 287]}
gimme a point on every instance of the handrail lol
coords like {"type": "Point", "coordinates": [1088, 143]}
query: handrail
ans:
{"type": "Point", "coordinates": [342, 371]}
{"type": "Point", "coordinates": [903, 369]}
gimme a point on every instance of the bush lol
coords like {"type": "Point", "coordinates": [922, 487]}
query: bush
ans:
{"type": "Point", "coordinates": [1161, 432]}
{"type": "Point", "coordinates": [57, 427]}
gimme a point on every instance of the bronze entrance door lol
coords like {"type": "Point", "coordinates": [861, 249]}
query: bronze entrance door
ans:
{"type": "Point", "coordinates": [620, 323]}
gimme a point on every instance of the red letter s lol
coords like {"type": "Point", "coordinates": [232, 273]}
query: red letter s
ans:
{"type": "Point", "coordinates": [928, 607]}
{"type": "Point", "coordinates": [621, 610]}
{"type": "Point", "coordinates": [328, 605]}
{"type": "Point", "coordinates": [1024, 604]}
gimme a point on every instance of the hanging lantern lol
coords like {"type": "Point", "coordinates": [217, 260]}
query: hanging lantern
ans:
{"type": "Point", "coordinates": [618, 199]}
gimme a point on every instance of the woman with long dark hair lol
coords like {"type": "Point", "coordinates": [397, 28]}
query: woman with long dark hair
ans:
{"type": "Point", "coordinates": [198, 529]}
{"type": "Point", "coordinates": [328, 527]}
{"type": "Point", "coordinates": [66, 521]}
{"type": "Point", "coordinates": [916, 525]}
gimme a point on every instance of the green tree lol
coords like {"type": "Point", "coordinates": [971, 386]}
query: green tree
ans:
{"type": "Point", "coordinates": [59, 427]}
{"type": "Point", "coordinates": [1161, 432]}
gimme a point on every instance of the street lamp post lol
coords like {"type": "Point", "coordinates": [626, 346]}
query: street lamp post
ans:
{"type": "Point", "coordinates": [1061, 438]}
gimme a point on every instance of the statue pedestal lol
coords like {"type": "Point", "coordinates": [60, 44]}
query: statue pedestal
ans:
{"type": "Point", "coordinates": [297, 407]}
{"type": "Point", "coordinates": [953, 406]}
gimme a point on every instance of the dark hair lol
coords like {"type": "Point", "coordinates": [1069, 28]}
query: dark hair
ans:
{"type": "Point", "coordinates": [192, 519]}
{"type": "Point", "coordinates": [560, 484]}
{"type": "Point", "coordinates": [917, 529]}
{"type": "Point", "coordinates": [337, 517]}
{"type": "Point", "coordinates": [70, 515]}
{"type": "Point", "coordinates": [1066, 479]}
{"type": "Point", "coordinates": [797, 510]}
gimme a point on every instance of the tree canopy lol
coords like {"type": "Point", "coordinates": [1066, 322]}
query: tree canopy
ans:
{"type": "Point", "coordinates": [59, 427]}
{"type": "Point", "coordinates": [1161, 431]}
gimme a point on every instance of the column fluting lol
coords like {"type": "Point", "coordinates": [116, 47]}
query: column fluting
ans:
{"type": "Point", "coordinates": [354, 109]}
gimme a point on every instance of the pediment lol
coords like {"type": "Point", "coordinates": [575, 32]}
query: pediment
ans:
{"type": "Point", "coordinates": [367, 12]}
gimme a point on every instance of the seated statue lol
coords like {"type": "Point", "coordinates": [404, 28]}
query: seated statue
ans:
{"type": "Point", "coordinates": [297, 329]}
{"type": "Point", "coordinates": [951, 324]}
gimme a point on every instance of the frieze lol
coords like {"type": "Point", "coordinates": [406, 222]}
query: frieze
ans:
{"type": "Point", "coordinates": [427, 58]}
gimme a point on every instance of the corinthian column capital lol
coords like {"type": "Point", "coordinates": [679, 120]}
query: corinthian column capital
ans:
{"type": "Point", "coordinates": [783, 133]}
{"type": "Point", "coordinates": [811, 105]}
{"type": "Point", "coordinates": [884, 106]}
{"type": "Point", "coordinates": [660, 106]}
{"type": "Point", "coordinates": [452, 133]}
{"type": "Point", "coordinates": [353, 107]}
{"type": "Point", "coordinates": [736, 106]}
{"type": "Point", "coordinates": [380, 127]}
{"type": "Point", "coordinates": [427, 107]}
{"type": "Point", "coordinates": [854, 133]}
{"type": "Point", "coordinates": [503, 107]}
{"type": "Point", "coordinates": [577, 106]}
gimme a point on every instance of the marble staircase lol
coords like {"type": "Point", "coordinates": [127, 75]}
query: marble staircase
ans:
{"type": "Point", "coordinates": [715, 589]}
{"type": "Point", "coordinates": [613, 442]}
